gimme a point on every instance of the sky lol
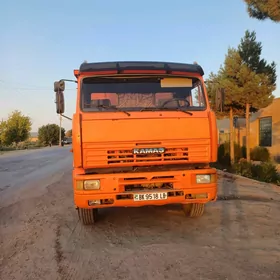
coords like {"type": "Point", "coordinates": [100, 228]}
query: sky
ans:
{"type": "Point", "coordinates": [44, 41]}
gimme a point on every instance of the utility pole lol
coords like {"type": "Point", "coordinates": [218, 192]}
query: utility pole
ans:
{"type": "Point", "coordinates": [248, 132]}
{"type": "Point", "coordinates": [232, 159]}
{"type": "Point", "coordinates": [60, 120]}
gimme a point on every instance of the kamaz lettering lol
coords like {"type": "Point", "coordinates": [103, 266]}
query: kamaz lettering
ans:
{"type": "Point", "coordinates": [149, 151]}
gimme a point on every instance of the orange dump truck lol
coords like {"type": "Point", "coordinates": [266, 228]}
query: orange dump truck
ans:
{"type": "Point", "coordinates": [143, 134]}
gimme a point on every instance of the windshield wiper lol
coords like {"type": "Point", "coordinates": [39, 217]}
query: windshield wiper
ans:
{"type": "Point", "coordinates": [165, 109]}
{"type": "Point", "coordinates": [111, 107]}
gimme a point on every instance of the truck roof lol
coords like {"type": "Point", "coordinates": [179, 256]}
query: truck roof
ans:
{"type": "Point", "coordinates": [141, 65]}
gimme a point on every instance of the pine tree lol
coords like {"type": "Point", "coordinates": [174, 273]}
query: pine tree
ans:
{"type": "Point", "coordinates": [248, 80]}
{"type": "Point", "coordinates": [264, 9]}
{"type": "Point", "coordinates": [250, 52]}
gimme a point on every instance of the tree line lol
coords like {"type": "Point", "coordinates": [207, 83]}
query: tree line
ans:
{"type": "Point", "coordinates": [17, 129]}
{"type": "Point", "coordinates": [247, 79]}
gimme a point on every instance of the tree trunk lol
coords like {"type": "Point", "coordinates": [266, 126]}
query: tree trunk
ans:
{"type": "Point", "coordinates": [231, 137]}
{"type": "Point", "coordinates": [248, 132]}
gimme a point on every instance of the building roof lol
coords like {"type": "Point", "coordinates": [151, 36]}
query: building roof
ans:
{"type": "Point", "coordinates": [141, 65]}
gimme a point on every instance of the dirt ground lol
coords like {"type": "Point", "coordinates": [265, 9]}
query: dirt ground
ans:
{"type": "Point", "coordinates": [237, 238]}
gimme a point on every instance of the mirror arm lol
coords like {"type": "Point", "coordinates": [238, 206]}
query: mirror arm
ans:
{"type": "Point", "coordinates": [66, 80]}
{"type": "Point", "coordinates": [66, 117]}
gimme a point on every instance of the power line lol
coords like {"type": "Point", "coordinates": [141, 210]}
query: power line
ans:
{"type": "Point", "coordinates": [33, 89]}
{"type": "Point", "coordinates": [22, 84]}
{"type": "Point", "coordinates": [28, 87]}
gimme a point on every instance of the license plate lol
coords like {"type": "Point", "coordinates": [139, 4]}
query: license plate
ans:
{"type": "Point", "coordinates": [150, 196]}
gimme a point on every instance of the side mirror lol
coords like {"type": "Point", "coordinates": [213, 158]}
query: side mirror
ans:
{"type": "Point", "coordinates": [220, 99]}
{"type": "Point", "coordinates": [59, 100]}
{"type": "Point", "coordinates": [59, 87]}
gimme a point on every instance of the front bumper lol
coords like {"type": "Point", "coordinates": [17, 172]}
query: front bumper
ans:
{"type": "Point", "coordinates": [113, 192]}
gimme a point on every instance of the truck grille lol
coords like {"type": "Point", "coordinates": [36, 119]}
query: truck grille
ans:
{"type": "Point", "coordinates": [102, 155]}
{"type": "Point", "coordinates": [126, 156]}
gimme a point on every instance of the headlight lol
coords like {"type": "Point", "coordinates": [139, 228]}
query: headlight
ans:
{"type": "Point", "coordinates": [203, 179]}
{"type": "Point", "coordinates": [92, 184]}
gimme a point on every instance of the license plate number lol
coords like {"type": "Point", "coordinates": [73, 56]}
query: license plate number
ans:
{"type": "Point", "coordinates": [150, 196]}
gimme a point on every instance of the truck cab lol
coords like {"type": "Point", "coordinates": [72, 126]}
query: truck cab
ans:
{"type": "Point", "coordinates": [143, 134]}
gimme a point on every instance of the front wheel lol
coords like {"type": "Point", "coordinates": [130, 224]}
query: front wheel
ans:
{"type": "Point", "coordinates": [193, 209]}
{"type": "Point", "coordinates": [88, 216]}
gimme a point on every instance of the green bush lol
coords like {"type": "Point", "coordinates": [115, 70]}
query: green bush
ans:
{"type": "Point", "coordinates": [6, 149]}
{"type": "Point", "coordinates": [260, 154]}
{"type": "Point", "coordinates": [39, 145]}
{"type": "Point", "coordinates": [277, 158]}
{"type": "Point", "coordinates": [265, 172]}
{"type": "Point", "coordinates": [224, 153]}
{"type": "Point", "coordinates": [22, 146]}
{"type": "Point", "coordinates": [243, 168]}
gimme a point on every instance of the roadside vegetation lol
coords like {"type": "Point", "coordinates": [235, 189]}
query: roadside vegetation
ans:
{"type": "Point", "coordinates": [26, 145]}
{"type": "Point", "coordinates": [15, 129]}
{"type": "Point", "coordinates": [49, 134]}
{"type": "Point", "coordinates": [262, 10]}
{"type": "Point", "coordinates": [261, 167]}
{"type": "Point", "coordinates": [249, 82]}
{"type": "Point", "coordinates": [15, 134]}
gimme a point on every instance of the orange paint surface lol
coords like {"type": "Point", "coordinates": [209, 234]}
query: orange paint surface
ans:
{"type": "Point", "coordinates": [105, 140]}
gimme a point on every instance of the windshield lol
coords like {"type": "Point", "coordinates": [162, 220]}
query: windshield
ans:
{"type": "Point", "coordinates": [139, 94]}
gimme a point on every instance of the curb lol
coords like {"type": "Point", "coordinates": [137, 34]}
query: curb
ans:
{"type": "Point", "coordinates": [246, 178]}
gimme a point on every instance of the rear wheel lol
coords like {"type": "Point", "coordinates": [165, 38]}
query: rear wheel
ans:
{"type": "Point", "coordinates": [88, 216]}
{"type": "Point", "coordinates": [193, 209]}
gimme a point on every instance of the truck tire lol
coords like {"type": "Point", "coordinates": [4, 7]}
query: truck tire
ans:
{"type": "Point", "coordinates": [193, 209]}
{"type": "Point", "coordinates": [88, 216]}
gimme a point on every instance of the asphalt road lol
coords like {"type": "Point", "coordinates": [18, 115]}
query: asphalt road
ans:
{"type": "Point", "coordinates": [28, 172]}
{"type": "Point", "coordinates": [41, 238]}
